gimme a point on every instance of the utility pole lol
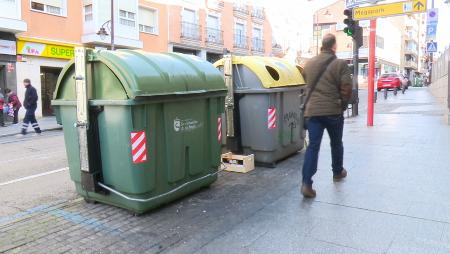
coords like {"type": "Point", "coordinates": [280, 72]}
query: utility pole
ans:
{"type": "Point", "coordinates": [112, 24]}
{"type": "Point", "coordinates": [371, 85]}
{"type": "Point", "coordinates": [355, 76]}
{"type": "Point", "coordinates": [355, 31]}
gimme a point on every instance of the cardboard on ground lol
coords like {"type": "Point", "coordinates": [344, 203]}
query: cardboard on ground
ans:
{"type": "Point", "coordinates": [392, 9]}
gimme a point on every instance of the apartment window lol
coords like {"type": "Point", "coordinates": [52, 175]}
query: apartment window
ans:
{"type": "Point", "coordinates": [88, 12]}
{"type": "Point", "coordinates": [189, 25]}
{"type": "Point", "coordinates": [127, 18]}
{"type": "Point", "coordinates": [380, 42]}
{"type": "Point", "coordinates": [49, 6]}
{"type": "Point", "coordinates": [148, 20]}
{"type": "Point", "coordinates": [257, 39]}
{"type": "Point", "coordinates": [214, 34]}
{"type": "Point", "coordinates": [240, 40]}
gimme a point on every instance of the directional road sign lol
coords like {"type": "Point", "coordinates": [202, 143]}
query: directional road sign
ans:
{"type": "Point", "coordinates": [431, 47]}
{"type": "Point", "coordinates": [431, 32]}
{"type": "Point", "coordinates": [392, 9]}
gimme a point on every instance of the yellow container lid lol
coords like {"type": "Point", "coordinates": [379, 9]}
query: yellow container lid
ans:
{"type": "Point", "coordinates": [273, 72]}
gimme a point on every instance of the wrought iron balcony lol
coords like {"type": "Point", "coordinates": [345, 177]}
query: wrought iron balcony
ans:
{"type": "Point", "coordinates": [257, 45]}
{"type": "Point", "coordinates": [258, 13]}
{"type": "Point", "coordinates": [214, 35]}
{"type": "Point", "coordinates": [411, 64]}
{"type": "Point", "coordinates": [240, 9]}
{"type": "Point", "coordinates": [190, 31]}
{"type": "Point", "coordinates": [240, 41]}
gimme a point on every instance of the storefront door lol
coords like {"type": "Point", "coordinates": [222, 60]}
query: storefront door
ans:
{"type": "Point", "coordinates": [49, 77]}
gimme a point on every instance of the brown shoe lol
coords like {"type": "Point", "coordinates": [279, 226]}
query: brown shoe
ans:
{"type": "Point", "coordinates": [340, 176]}
{"type": "Point", "coordinates": [308, 191]}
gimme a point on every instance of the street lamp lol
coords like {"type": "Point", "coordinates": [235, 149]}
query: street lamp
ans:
{"type": "Point", "coordinates": [103, 33]}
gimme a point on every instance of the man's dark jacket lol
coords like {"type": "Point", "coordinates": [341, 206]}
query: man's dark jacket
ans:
{"type": "Point", "coordinates": [31, 97]}
{"type": "Point", "coordinates": [333, 88]}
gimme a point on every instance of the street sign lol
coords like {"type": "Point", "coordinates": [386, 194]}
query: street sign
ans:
{"type": "Point", "coordinates": [432, 16]}
{"type": "Point", "coordinates": [431, 32]}
{"type": "Point", "coordinates": [431, 47]}
{"type": "Point", "coordinates": [392, 9]}
{"type": "Point", "coordinates": [354, 3]}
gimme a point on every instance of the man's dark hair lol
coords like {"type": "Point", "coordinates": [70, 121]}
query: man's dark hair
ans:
{"type": "Point", "coordinates": [328, 42]}
{"type": "Point", "coordinates": [27, 80]}
{"type": "Point", "coordinates": [7, 90]}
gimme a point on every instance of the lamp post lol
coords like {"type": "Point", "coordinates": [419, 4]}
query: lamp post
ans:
{"type": "Point", "coordinates": [102, 32]}
{"type": "Point", "coordinates": [316, 27]}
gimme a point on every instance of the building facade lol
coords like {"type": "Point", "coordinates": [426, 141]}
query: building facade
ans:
{"type": "Point", "coordinates": [11, 24]}
{"type": "Point", "coordinates": [37, 37]}
{"type": "Point", "coordinates": [397, 41]}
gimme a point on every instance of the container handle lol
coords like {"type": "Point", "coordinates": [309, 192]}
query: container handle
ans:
{"type": "Point", "coordinates": [190, 92]}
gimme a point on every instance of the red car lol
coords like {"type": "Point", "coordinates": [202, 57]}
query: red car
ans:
{"type": "Point", "coordinates": [390, 81]}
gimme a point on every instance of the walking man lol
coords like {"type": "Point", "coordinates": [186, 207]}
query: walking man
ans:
{"type": "Point", "coordinates": [30, 104]}
{"type": "Point", "coordinates": [324, 110]}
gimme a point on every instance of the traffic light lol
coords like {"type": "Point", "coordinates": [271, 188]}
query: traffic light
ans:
{"type": "Point", "coordinates": [353, 29]}
{"type": "Point", "coordinates": [350, 29]}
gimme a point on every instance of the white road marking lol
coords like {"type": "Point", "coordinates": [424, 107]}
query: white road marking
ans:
{"type": "Point", "coordinates": [33, 176]}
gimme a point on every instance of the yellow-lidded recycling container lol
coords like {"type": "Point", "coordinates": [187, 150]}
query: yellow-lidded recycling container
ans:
{"type": "Point", "coordinates": [268, 92]}
{"type": "Point", "coordinates": [153, 131]}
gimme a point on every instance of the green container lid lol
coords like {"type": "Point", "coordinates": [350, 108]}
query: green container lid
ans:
{"type": "Point", "coordinates": [129, 74]}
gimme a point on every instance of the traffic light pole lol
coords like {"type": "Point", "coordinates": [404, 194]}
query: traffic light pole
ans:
{"type": "Point", "coordinates": [355, 76]}
{"type": "Point", "coordinates": [371, 85]}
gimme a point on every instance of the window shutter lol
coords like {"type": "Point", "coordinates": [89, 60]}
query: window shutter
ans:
{"type": "Point", "coordinates": [55, 3]}
{"type": "Point", "coordinates": [147, 17]}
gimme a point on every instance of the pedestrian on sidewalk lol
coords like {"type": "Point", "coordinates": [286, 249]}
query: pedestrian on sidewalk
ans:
{"type": "Point", "coordinates": [2, 114]}
{"type": "Point", "coordinates": [324, 110]}
{"type": "Point", "coordinates": [14, 101]}
{"type": "Point", "coordinates": [30, 104]}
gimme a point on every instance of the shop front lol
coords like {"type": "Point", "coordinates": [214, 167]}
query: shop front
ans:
{"type": "Point", "coordinates": [41, 61]}
{"type": "Point", "coordinates": [7, 61]}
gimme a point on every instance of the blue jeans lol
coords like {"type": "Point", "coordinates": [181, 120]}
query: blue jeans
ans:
{"type": "Point", "coordinates": [316, 125]}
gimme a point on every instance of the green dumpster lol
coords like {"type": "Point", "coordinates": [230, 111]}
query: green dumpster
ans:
{"type": "Point", "coordinates": [154, 126]}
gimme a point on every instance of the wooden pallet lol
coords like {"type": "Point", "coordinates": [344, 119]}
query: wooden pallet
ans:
{"type": "Point", "coordinates": [238, 163]}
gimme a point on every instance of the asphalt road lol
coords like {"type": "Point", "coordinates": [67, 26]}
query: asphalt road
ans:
{"type": "Point", "coordinates": [33, 171]}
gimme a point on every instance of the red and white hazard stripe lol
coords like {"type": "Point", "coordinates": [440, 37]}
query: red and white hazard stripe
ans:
{"type": "Point", "coordinates": [219, 129]}
{"type": "Point", "coordinates": [271, 118]}
{"type": "Point", "coordinates": [138, 147]}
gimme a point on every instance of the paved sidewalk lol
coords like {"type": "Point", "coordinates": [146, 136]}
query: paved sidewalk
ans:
{"type": "Point", "coordinates": [395, 200]}
{"type": "Point", "coordinates": [46, 124]}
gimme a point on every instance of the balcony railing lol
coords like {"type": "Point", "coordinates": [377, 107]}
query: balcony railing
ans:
{"type": "Point", "coordinates": [214, 35]}
{"type": "Point", "coordinates": [190, 31]}
{"type": "Point", "coordinates": [410, 64]}
{"type": "Point", "coordinates": [240, 9]}
{"type": "Point", "coordinates": [259, 14]}
{"type": "Point", "coordinates": [240, 41]}
{"type": "Point", "coordinates": [276, 46]}
{"type": "Point", "coordinates": [411, 51]}
{"type": "Point", "coordinates": [257, 45]}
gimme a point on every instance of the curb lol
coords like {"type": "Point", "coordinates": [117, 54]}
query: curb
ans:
{"type": "Point", "coordinates": [44, 130]}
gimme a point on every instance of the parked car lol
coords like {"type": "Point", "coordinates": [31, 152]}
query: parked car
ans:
{"type": "Point", "coordinates": [391, 81]}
